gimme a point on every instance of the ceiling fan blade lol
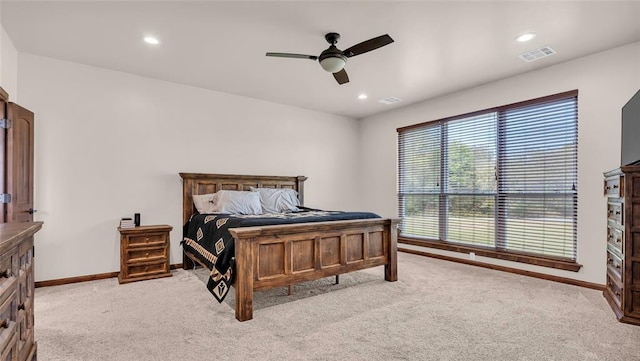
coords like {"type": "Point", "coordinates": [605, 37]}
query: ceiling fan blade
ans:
{"type": "Point", "coordinates": [368, 45]}
{"type": "Point", "coordinates": [341, 77]}
{"type": "Point", "coordinates": [289, 55]}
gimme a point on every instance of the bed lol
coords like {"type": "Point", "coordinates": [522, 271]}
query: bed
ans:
{"type": "Point", "coordinates": [284, 254]}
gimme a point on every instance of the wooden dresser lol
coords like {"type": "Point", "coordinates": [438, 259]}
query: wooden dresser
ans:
{"type": "Point", "coordinates": [17, 290]}
{"type": "Point", "coordinates": [144, 253]}
{"type": "Point", "coordinates": [622, 188]}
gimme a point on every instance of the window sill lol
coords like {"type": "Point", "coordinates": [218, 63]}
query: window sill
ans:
{"type": "Point", "coordinates": [508, 256]}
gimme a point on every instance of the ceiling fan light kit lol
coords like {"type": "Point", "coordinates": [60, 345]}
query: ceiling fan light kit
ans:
{"type": "Point", "coordinates": [333, 64]}
{"type": "Point", "coordinates": [333, 59]}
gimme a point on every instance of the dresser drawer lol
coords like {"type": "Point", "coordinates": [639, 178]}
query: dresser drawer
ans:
{"type": "Point", "coordinates": [615, 212]}
{"type": "Point", "coordinates": [8, 310]}
{"type": "Point", "coordinates": [6, 266]}
{"type": "Point", "coordinates": [614, 186]}
{"type": "Point", "coordinates": [9, 352]}
{"type": "Point", "coordinates": [8, 286]}
{"type": "Point", "coordinates": [25, 334]}
{"type": "Point", "coordinates": [8, 339]}
{"type": "Point", "coordinates": [614, 290]}
{"type": "Point", "coordinates": [146, 240]}
{"type": "Point", "coordinates": [8, 289]}
{"type": "Point", "coordinates": [614, 262]}
{"type": "Point", "coordinates": [138, 254]}
{"type": "Point", "coordinates": [615, 237]}
{"type": "Point", "coordinates": [147, 268]}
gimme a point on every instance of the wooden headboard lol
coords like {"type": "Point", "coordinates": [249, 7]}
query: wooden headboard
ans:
{"type": "Point", "coordinates": [201, 183]}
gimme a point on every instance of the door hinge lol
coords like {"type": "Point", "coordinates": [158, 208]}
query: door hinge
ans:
{"type": "Point", "coordinates": [5, 123]}
{"type": "Point", "coordinates": [5, 197]}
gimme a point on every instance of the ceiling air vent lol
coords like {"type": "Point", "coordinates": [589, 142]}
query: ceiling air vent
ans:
{"type": "Point", "coordinates": [536, 54]}
{"type": "Point", "coordinates": [389, 100]}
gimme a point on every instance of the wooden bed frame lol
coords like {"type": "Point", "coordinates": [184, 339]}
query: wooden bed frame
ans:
{"type": "Point", "coordinates": [282, 255]}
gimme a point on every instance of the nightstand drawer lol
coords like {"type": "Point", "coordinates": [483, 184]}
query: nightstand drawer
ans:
{"type": "Point", "coordinates": [146, 240]}
{"type": "Point", "coordinates": [146, 253]}
{"type": "Point", "coordinates": [147, 269]}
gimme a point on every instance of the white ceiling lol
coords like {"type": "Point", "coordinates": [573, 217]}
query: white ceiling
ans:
{"type": "Point", "coordinates": [440, 46]}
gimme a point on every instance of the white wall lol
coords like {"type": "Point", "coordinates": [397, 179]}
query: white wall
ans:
{"type": "Point", "coordinates": [8, 65]}
{"type": "Point", "coordinates": [605, 81]}
{"type": "Point", "coordinates": [109, 144]}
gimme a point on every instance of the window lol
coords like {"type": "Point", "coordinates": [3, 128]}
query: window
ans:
{"type": "Point", "coordinates": [500, 182]}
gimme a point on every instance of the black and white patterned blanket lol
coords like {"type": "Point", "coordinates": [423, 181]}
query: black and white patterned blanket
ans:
{"type": "Point", "coordinates": [207, 237]}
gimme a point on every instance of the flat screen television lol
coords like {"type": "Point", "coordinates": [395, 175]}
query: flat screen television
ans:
{"type": "Point", "coordinates": [631, 131]}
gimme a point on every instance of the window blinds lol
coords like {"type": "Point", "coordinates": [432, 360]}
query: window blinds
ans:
{"type": "Point", "coordinates": [505, 178]}
{"type": "Point", "coordinates": [420, 178]}
{"type": "Point", "coordinates": [538, 178]}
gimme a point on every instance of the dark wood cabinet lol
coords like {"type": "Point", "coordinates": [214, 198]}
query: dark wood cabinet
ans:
{"type": "Point", "coordinates": [622, 291]}
{"type": "Point", "coordinates": [17, 291]}
{"type": "Point", "coordinates": [144, 253]}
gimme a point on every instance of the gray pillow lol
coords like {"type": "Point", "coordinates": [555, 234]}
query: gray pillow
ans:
{"type": "Point", "coordinates": [277, 200]}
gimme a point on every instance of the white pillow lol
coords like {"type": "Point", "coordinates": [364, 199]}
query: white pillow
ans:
{"type": "Point", "coordinates": [278, 200]}
{"type": "Point", "coordinates": [205, 202]}
{"type": "Point", "coordinates": [237, 202]}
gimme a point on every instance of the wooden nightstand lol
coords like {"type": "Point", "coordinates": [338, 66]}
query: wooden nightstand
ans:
{"type": "Point", "coordinates": [144, 253]}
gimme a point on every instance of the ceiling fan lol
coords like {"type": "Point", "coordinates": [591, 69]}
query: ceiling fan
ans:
{"type": "Point", "coordinates": [333, 59]}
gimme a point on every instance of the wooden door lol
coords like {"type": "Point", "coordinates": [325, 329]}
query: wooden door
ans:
{"type": "Point", "coordinates": [19, 161]}
{"type": "Point", "coordinates": [3, 137]}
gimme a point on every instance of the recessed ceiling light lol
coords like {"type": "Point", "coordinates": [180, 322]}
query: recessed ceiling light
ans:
{"type": "Point", "coordinates": [362, 96]}
{"type": "Point", "coordinates": [151, 40]}
{"type": "Point", "coordinates": [525, 37]}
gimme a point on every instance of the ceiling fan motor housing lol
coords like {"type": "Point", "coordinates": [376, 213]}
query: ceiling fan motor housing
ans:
{"type": "Point", "coordinates": [332, 59]}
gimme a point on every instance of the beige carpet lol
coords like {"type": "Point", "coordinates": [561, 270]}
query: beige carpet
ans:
{"type": "Point", "coordinates": [438, 310]}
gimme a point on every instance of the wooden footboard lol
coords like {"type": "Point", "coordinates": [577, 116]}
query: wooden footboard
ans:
{"type": "Point", "coordinates": [275, 256]}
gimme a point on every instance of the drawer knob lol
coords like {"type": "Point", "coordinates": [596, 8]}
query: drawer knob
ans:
{"type": "Point", "coordinates": [6, 273]}
{"type": "Point", "coordinates": [617, 293]}
{"type": "Point", "coordinates": [615, 186]}
{"type": "Point", "coordinates": [618, 240]}
{"type": "Point", "coordinates": [4, 323]}
{"type": "Point", "coordinates": [21, 307]}
{"type": "Point", "coordinates": [617, 213]}
{"type": "Point", "coordinates": [618, 266]}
